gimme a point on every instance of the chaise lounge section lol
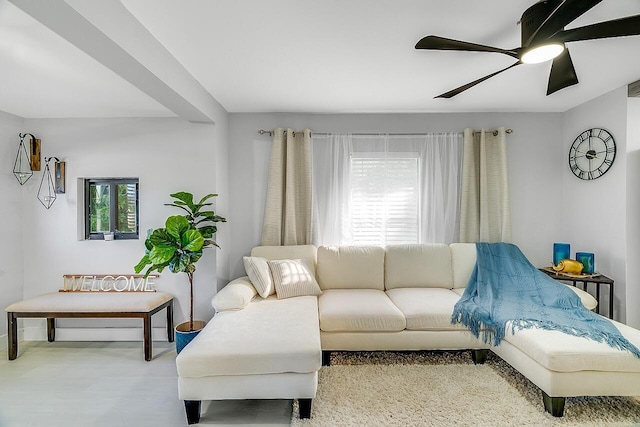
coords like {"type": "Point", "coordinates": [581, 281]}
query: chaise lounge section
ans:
{"type": "Point", "coordinates": [269, 349]}
{"type": "Point", "coordinates": [395, 298]}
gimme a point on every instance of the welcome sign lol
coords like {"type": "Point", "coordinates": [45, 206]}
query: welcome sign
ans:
{"type": "Point", "coordinates": [108, 283]}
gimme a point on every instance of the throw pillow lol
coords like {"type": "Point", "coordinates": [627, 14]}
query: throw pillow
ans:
{"type": "Point", "coordinates": [258, 271]}
{"type": "Point", "coordinates": [293, 278]}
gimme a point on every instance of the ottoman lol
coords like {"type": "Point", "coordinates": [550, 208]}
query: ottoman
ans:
{"type": "Point", "coordinates": [268, 350]}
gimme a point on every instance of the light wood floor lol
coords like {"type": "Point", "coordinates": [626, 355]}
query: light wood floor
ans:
{"type": "Point", "coordinates": [81, 384]}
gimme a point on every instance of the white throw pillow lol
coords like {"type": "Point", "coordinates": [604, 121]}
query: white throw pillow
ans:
{"type": "Point", "coordinates": [293, 278]}
{"type": "Point", "coordinates": [260, 275]}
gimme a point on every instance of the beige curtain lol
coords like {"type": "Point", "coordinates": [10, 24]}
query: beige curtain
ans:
{"type": "Point", "coordinates": [287, 213]}
{"type": "Point", "coordinates": [485, 213]}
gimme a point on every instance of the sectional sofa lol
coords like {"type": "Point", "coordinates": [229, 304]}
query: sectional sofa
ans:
{"type": "Point", "coordinates": [372, 298]}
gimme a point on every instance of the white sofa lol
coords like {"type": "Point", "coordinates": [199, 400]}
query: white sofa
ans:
{"type": "Point", "coordinates": [373, 298]}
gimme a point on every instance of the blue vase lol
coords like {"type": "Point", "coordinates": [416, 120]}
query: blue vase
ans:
{"type": "Point", "coordinates": [184, 336]}
{"type": "Point", "coordinates": [588, 261]}
{"type": "Point", "coordinates": [561, 251]}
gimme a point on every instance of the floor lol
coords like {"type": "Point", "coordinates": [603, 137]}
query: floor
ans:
{"type": "Point", "coordinates": [80, 384]}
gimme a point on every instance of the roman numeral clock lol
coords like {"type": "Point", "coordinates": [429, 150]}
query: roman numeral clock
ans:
{"type": "Point", "coordinates": [592, 154]}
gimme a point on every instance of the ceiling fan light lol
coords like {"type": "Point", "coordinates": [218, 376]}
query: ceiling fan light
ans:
{"type": "Point", "coordinates": [542, 53]}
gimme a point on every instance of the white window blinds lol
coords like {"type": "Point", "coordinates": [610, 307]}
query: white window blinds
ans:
{"type": "Point", "coordinates": [385, 198]}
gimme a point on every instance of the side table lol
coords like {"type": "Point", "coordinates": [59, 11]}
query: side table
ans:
{"type": "Point", "coordinates": [598, 280]}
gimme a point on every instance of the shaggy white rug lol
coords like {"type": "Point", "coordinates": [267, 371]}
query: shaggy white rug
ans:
{"type": "Point", "coordinates": [445, 389]}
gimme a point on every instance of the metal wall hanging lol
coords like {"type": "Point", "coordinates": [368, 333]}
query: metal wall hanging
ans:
{"type": "Point", "coordinates": [58, 177]}
{"type": "Point", "coordinates": [22, 166]}
{"type": "Point", "coordinates": [47, 190]}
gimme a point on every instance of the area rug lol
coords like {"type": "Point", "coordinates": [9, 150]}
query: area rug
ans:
{"type": "Point", "coordinates": [445, 389]}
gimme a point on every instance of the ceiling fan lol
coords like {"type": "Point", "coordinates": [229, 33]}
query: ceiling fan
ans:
{"type": "Point", "coordinates": [543, 37]}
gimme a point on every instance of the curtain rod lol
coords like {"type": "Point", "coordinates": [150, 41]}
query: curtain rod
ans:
{"type": "Point", "coordinates": [270, 133]}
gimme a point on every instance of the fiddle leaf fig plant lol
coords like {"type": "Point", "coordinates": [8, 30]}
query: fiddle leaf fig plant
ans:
{"type": "Point", "coordinates": [179, 245]}
{"type": "Point", "coordinates": [198, 218]}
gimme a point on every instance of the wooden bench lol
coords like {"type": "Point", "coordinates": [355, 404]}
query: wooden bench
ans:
{"type": "Point", "coordinates": [90, 305]}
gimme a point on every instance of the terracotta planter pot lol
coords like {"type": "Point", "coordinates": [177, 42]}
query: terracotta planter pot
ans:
{"type": "Point", "coordinates": [184, 335]}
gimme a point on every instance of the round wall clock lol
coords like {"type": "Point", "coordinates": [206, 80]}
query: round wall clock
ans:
{"type": "Point", "coordinates": [592, 154]}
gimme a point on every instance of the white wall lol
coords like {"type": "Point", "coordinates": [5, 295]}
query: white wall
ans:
{"type": "Point", "coordinates": [593, 213]}
{"type": "Point", "coordinates": [633, 213]}
{"type": "Point", "coordinates": [536, 161]}
{"type": "Point", "coordinates": [167, 155]}
{"type": "Point", "coordinates": [11, 260]}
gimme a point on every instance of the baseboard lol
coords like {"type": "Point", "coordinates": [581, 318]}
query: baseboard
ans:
{"type": "Point", "coordinates": [92, 334]}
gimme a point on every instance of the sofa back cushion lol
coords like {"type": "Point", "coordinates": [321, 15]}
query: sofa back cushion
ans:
{"type": "Point", "coordinates": [351, 267]}
{"type": "Point", "coordinates": [463, 260]}
{"type": "Point", "coordinates": [307, 252]}
{"type": "Point", "coordinates": [418, 266]}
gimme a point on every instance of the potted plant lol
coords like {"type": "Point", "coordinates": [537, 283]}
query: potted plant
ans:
{"type": "Point", "coordinates": [178, 246]}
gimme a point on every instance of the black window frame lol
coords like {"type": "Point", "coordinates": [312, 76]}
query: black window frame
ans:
{"type": "Point", "coordinates": [113, 195]}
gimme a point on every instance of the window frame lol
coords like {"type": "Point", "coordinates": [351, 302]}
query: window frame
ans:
{"type": "Point", "coordinates": [113, 213]}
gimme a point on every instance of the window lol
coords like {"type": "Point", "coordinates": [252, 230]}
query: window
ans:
{"type": "Point", "coordinates": [111, 205]}
{"type": "Point", "coordinates": [386, 189]}
{"type": "Point", "coordinates": [385, 198]}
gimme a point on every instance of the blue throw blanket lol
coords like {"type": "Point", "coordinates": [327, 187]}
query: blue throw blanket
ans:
{"type": "Point", "coordinates": [506, 287]}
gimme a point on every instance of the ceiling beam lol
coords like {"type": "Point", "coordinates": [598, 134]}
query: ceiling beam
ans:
{"type": "Point", "coordinates": [109, 33]}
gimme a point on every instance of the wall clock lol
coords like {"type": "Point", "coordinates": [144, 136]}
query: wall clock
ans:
{"type": "Point", "coordinates": [592, 154]}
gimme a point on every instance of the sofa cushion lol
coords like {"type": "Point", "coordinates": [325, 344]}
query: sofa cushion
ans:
{"type": "Point", "coordinates": [293, 278]}
{"type": "Point", "coordinates": [587, 299]}
{"type": "Point", "coordinates": [351, 267]}
{"type": "Point", "coordinates": [358, 310]}
{"type": "Point", "coordinates": [256, 340]}
{"type": "Point", "coordinates": [259, 273]}
{"type": "Point", "coordinates": [418, 266]}
{"type": "Point", "coordinates": [426, 309]}
{"type": "Point", "coordinates": [463, 260]}
{"type": "Point", "coordinates": [560, 352]}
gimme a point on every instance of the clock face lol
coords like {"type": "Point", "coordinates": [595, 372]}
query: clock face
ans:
{"type": "Point", "coordinates": [592, 154]}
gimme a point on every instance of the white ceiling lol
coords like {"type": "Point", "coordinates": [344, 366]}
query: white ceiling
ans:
{"type": "Point", "coordinates": [329, 56]}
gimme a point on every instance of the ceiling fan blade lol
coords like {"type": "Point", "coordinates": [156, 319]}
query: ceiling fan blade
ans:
{"type": "Point", "coordinates": [461, 89]}
{"type": "Point", "coordinates": [442, 43]}
{"type": "Point", "coordinates": [563, 74]}
{"type": "Point", "coordinates": [564, 13]}
{"type": "Point", "coordinates": [629, 26]}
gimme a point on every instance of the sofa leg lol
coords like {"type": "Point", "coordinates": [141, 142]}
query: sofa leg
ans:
{"type": "Point", "coordinates": [305, 408]}
{"type": "Point", "coordinates": [553, 405]}
{"type": "Point", "coordinates": [326, 358]}
{"type": "Point", "coordinates": [192, 408]}
{"type": "Point", "coordinates": [479, 356]}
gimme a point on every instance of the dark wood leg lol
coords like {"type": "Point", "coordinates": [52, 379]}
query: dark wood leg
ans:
{"type": "Point", "coordinates": [326, 358]}
{"type": "Point", "coordinates": [147, 337]}
{"type": "Point", "coordinates": [12, 330]}
{"type": "Point", "coordinates": [170, 331]}
{"type": "Point", "coordinates": [553, 405]}
{"type": "Point", "coordinates": [479, 356]}
{"type": "Point", "coordinates": [305, 408]}
{"type": "Point", "coordinates": [51, 329]}
{"type": "Point", "coordinates": [610, 301]}
{"type": "Point", "coordinates": [192, 408]}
